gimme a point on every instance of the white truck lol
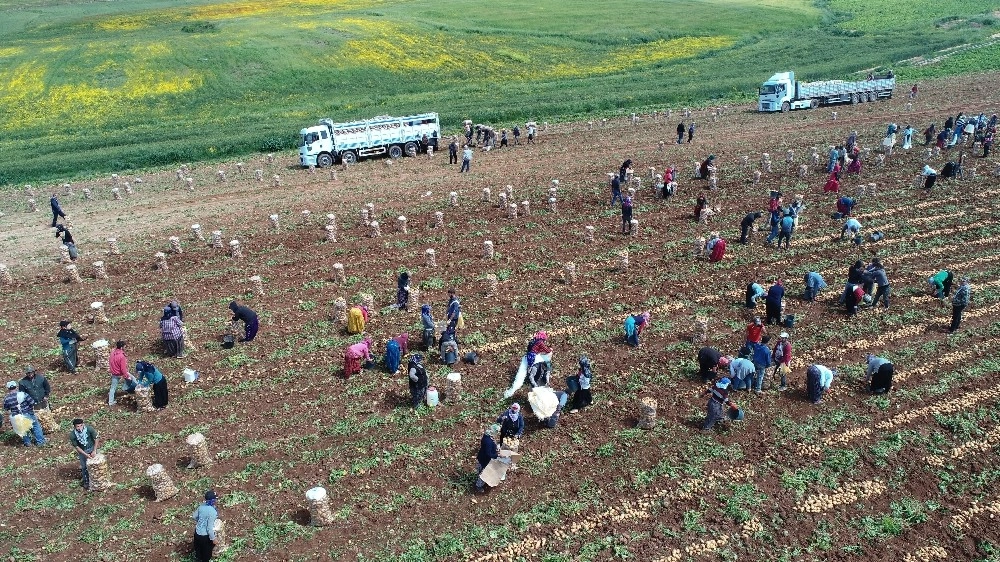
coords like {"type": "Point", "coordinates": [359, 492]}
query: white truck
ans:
{"type": "Point", "coordinates": [782, 92]}
{"type": "Point", "coordinates": [332, 143]}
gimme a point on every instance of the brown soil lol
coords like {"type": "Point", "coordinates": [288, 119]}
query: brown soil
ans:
{"type": "Point", "coordinates": [295, 400]}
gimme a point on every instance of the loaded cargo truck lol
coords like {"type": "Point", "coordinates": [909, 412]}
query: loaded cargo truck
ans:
{"type": "Point", "coordinates": [782, 92]}
{"type": "Point", "coordinates": [333, 143]}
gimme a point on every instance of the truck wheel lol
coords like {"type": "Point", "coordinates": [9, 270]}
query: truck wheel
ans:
{"type": "Point", "coordinates": [855, 99]}
{"type": "Point", "coordinates": [410, 148]}
{"type": "Point", "coordinates": [348, 157]}
{"type": "Point", "coordinates": [785, 107]}
{"type": "Point", "coordinates": [395, 151]}
{"type": "Point", "coordinates": [324, 160]}
{"type": "Point", "coordinates": [872, 96]}
{"type": "Point", "coordinates": [814, 104]}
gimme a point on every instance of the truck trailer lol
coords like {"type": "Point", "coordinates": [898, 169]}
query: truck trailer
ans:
{"type": "Point", "coordinates": [782, 92]}
{"type": "Point", "coordinates": [333, 143]}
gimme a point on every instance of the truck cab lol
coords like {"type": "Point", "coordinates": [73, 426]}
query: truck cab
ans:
{"type": "Point", "coordinates": [316, 146]}
{"type": "Point", "coordinates": [777, 91]}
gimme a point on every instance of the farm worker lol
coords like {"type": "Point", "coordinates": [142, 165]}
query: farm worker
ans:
{"type": "Point", "coordinates": [855, 298]}
{"type": "Point", "coordinates": [468, 133]}
{"type": "Point", "coordinates": [913, 92]}
{"type": "Point", "coordinates": [403, 290]}
{"type": "Point", "coordinates": [908, 137]}
{"type": "Point", "coordinates": [18, 403]}
{"type": "Point", "coordinates": [68, 339]}
{"type": "Point", "coordinates": [716, 248]}
{"type": "Point", "coordinates": [786, 228]}
{"type": "Point", "coordinates": [701, 204]}
{"type": "Point", "coordinates": [855, 166]}
{"type": "Point", "coordinates": [466, 158]}
{"type": "Point", "coordinates": [855, 275]}
{"type": "Point", "coordinates": [356, 317]}
{"type": "Point", "coordinates": [709, 360]}
{"type": "Point", "coordinates": [172, 332]}
{"type": "Point", "coordinates": [814, 284]}
{"type": "Point", "coordinates": [393, 356]}
{"type": "Point", "coordinates": [761, 361]}
{"type": "Point", "coordinates": [503, 138]}
{"type": "Point", "coordinates": [56, 210]}
{"type": "Point", "coordinates": [149, 375]}
{"type": "Point", "coordinates": [718, 400]}
{"type": "Point", "coordinates": [537, 352]}
{"type": "Point", "coordinates": [427, 322]}
{"type": "Point", "coordinates": [249, 318]}
{"type": "Point", "coordinates": [940, 283]}
{"type": "Point", "coordinates": [832, 185]}
{"type": "Point", "coordinates": [796, 207]}
{"type": "Point", "coordinates": [703, 171]}
{"type": "Point", "coordinates": [454, 316]}
{"type": "Point", "coordinates": [353, 356]}
{"type": "Point", "coordinates": [627, 215]}
{"type": "Point", "coordinates": [511, 423]}
{"type": "Point", "coordinates": [890, 132]}
{"type": "Point", "coordinates": [929, 134]}
{"type": "Point", "coordinates": [616, 190]}
{"type": "Point", "coordinates": [84, 440]}
{"type": "Point", "coordinates": [782, 357]}
{"type": "Point", "coordinates": [36, 385]}
{"type": "Point", "coordinates": [488, 451]}
{"type": "Point", "coordinates": [755, 331]}
{"type": "Point", "coordinates": [691, 131]}
{"type": "Point", "coordinates": [930, 175]}
{"type": "Point", "coordinates": [448, 347]}
{"type": "Point", "coordinates": [417, 375]}
{"type": "Point", "coordinates": [624, 170]}
{"type": "Point", "coordinates": [634, 325]}
{"type": "Point", "coordinates": [118, 365]}
{"type": "Point", "coordinates": [204, 527]}
{"type": "Point", "coordinates": [876, 274]}
{"type": "Point", "coordinates": [772, 303]}
{"type": "Point", "coordinates": [818, 381]}
{"type": "Point", "coordinates": [852, 139]}
{"type": "Point", "coordinates": [958, 304]}
{"type": "Point", "coordinates": [987, 142]}
{"type": "Point", "coordinates": [878, 374]}
{"type": "Point", "coordinates": [942, 138]}
{"type": "Point", "coordinates": [852, 226]}
{"type": "Point", "coordinates": [531, 133]}
{"type": "Point", "coordinates": [453, 151]}
{"type": "Point", "coordinates": [67, 240]}
{"type": "Point", "coordinates": [581, 386]}
{"type": "Point", "coordinates": [741, 371]}
{"type": "Point", "coordinates": [746, 225]}
{"type": "Point", "coordinates": [174, 308]}
{"type": "Point", "coordinates": [833, 156]}
{"type": "Point", "coordinates": [754, 291]}
{"type": "Point", "coordinates": [680, 132]}
{"type": "Point", "coordinates": [517, 134]}
{"type": "Point", "coordinates": [775, 223]}
{"type": "Point", "coordinates": [959, 129]}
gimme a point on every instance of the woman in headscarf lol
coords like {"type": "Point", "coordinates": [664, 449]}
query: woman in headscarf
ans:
{"type": "Point", "coordinates": [511, 423]}
{"type": "Point", "coordinates": [172, 332]}
{"type": "Point", "coordinates": [393, 356]}
{"type": "Point", "coordinates": [68, 339]}
{"type": "Point", "coordinates": [818, 381]}
{"type": "Point", "coordinates": [149, 375]}
{"type": "Point", "coordinates": [582, 397]}
{"type": "Point", "coordinates": [488, 450]}
{"type": "Point", "coordinates": [538, 350]}
{"type": "Point", "coordinates": [403, 290]}
{"type": "Point", "coordinates": [703, 169]}
{"type": "Point", "coordinates": [427, 322]}
{"type": "Point", "coordinates": [623, 171]}
{"type": "Point", "coordinates": [634, 325]}
{"type": "Point", "coordinates": [718, 400]}
{"type": "Point", "coordinates": [855, 166]}
{"type": "Point", "coordinates": [701, 204]}
{"type": "Point", "coordinates": [417, 379]}
{"type": "Point", "coordinates": [353, 356]}
{"type": "Point", "coordinates": [718, 249]}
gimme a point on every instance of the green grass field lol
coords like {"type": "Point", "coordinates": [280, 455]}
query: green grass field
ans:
{"type": "Point", "coordinates": [90, 88]}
